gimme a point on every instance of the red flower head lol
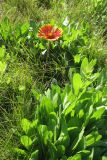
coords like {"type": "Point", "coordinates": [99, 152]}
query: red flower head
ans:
{"type": "Point", "coordinates": [49, 32]}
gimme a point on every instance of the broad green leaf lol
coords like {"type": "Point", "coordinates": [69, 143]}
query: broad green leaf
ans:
{"type": "Point", "coordinates": [92, 138]}
{"type": "Point", "coordinates": [78, 139]}
{"type": "Point", "coordinates": [46, 105]}
{"type": "Point", "coordinates": [25, 27]}
{"type": "Point", "coordinates": [55, 89]}
{"type": "Point", "coordinates": [25, 124]}
{"type": "Point", "coordinates": [77, 83]}
{"type": "Point", "coordinates": [66, 102]}
{"type": "Point", "coordinates": [48, 93]}
{"type": "Point", "coordinates": [81, 113]}
{"type": "Point", "coordinates": [53, 115]}
{"type": "Point", "coordinates": [104, 158]}
{"type": "Point", "coordinates": [26, 141]}
{"type": "Point", "coordinates": [64, 138]}
{"type": "Point", "coordinates": [19, 151]}
{"type": "Point", "coordinates": [75, 157]}
{"type": "Point", "coordinates": [98, 113]}
{"type": "Point", "coordinates": [55, 100]}
{"type": "Point", "coordinates": [60, 150]}
{"type": "Point", "coordinates": [52, 124]}
{"type": "Point", "coordinates": [84, 66]}
{"type": "Point", "coordinates": [69, 108]}
{"type": "Point", "coordinates": [77, 58]}
{"type": "Point", "coordinates": [44, 133]}
{"type": "Point", "coordinates": [92, 64]}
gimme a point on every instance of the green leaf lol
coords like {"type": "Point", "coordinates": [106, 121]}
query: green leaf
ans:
{"type": "Point", "coordinates": [98, 113]}
{"type": "Point", "coordinates": [42, 47]}
{"type": "Point", "coordinates": [36, 94]}
{"type": "Point", "coordinates": [26, 141]}
{"type": "Point", "coordinates": [55, 89]}
{"type": "Point", "coordinates": [70, 108]}
{"type": "Point", "coordinates": [104, 158]}
{"type": "Point", "coordinates": [2, 52]}
{"type": "Point", "coordinates": [19, 151]}
{"type": "Point", "coordinates": [64, 138]}
{"type": "Point", "coordinates": [78, 139]}
{"type": "Point", "coordinates": [70, 74]}
{"type": "Point", "coordinates": [34, 124]}
{"type": "Point", "coordinates": [92, 138]}
{"type": "Point", "coordinates": [77, 58]}
{"type": "Point", "coordinates": [52, 151]}
{"type": "Point", "coordinates": [25, 27]}
{"type": "Point", "coordinates": [81, 113]}
{"type": "Point", "coordinates": [2, 67]}
{"type": "Point", "coordinates": [77, 83]}
{"type": "Point", "coordinates": [92, 64]}
{"type": "Point", "coordinates": [86, 67]}
{"type": "Point", "coordinates": [53, 115]}
{"type": "Point", "coordinates": [72, 128]}
{"type": "Point", "coordinates": [44, 133]}
{"type": "Point", "coordinates": [60, 150]}
{"type": "Point", "coordinates": [55, 100]}
{"type": "Point", "coordinates": [88, 115]}
{"type": "Point", "coordinates": [75, 157]}
{"type": "Point", "coordinates": [34, 155]}
{"type": "Point", "coordinates": [46, 105]}
{"type": "Point", "coordinates": [91, 155]}
{"type": "Point", "coordinates": [75, 34]}
{"type": "Point", "coordinates": [85, 152]}
{"type": "Point", "coordinates": [25, 124]}
{"type": "Point", "coordinates": [21, 88]}
{"type": "Point", "coordinates": [5, 28]}
{"type": "Point", "coordinates": [17, 31]}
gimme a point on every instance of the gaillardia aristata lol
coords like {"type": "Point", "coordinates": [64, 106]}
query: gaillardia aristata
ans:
{"type": "Point", "coordinates": [50, 32]}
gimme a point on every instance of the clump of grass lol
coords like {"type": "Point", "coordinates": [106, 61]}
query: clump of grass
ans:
{"type": "Point", "coordinates": [15, 102]}
{"type": "Point", "coordinates": [6, 134]}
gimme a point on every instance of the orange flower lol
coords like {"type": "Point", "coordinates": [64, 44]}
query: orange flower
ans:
{"type": "Point", "coordinates": [49, 32]}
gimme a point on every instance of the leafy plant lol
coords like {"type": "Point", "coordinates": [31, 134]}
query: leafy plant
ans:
{"type": "Point", "coordinates": [67, 120]}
